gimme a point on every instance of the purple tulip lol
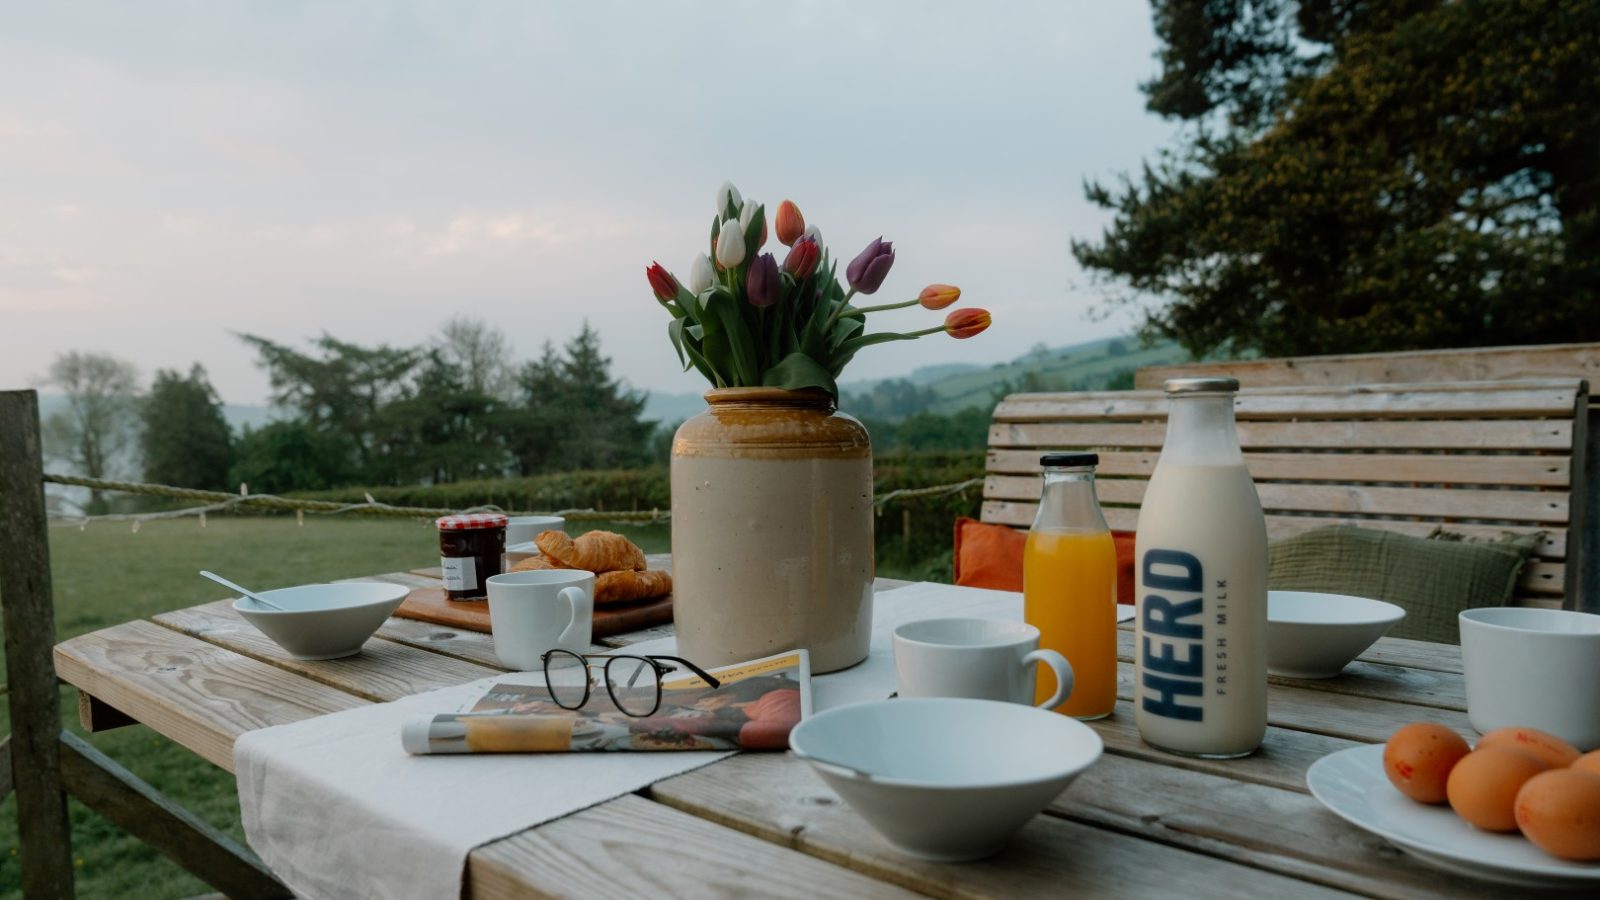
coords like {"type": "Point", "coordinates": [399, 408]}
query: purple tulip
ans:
{"type": "Point", "coordinates": [761, 285]}
{"type": "Point", "coordinates": [867, 271]}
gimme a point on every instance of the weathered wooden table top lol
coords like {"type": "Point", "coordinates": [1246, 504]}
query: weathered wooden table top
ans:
{"type": "Point", "coordinates": [1139, 823]}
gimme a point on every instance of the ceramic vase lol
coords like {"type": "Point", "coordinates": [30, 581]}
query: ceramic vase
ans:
{"type": "Point", "coordinates": [772, 529]}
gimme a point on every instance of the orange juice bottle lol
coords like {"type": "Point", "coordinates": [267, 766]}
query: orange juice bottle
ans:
{"type": "Point", "coordinates": [1069, 585]}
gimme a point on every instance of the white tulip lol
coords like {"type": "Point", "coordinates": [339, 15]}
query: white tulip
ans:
{"type": "Point", "coordinates": [725, 194]}
{"type": "Point", "coordinates": [730, 244]}
{"type": "Point", "coordinates": [700, 274]}
{"type": "Point", "coordinates": [814, 233]}
{"type": "Point", "coordinates": [747, 214]}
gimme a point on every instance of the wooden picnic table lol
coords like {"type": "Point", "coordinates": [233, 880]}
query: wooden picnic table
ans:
{"type": "Point", "coordinates": [1140, 823]}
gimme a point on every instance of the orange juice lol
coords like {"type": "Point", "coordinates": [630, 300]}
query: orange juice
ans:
{"type": "Point", "coordinates": [1069, 578]}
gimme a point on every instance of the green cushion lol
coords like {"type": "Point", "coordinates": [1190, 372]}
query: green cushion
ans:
{"type": "Point", "coordinates": [1433, 578]}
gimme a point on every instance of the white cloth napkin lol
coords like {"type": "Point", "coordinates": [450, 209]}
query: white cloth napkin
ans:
{"type": "Point", "coordinates": [337, 809]}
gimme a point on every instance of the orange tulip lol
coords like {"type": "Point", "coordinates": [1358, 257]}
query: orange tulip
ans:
{"type": "Point", "coordinates": [938, 296]}
{"type": "Point", "coordinates": [964, 323]}
{"type": "Point", "coordinates": [790, 223]}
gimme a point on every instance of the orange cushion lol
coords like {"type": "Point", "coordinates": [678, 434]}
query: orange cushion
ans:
{"type": "Point", "coordinates": [990, 556]}
{"type": "Point", "coordinates": [1124, 542]}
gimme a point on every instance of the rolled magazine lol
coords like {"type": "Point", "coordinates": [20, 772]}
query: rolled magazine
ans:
{"type": "Point", "coordinates": [754, 707]}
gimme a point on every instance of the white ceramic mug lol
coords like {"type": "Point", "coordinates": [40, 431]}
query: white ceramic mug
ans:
{"type": "Point", "coordinates": [1534, 668]}
{"type": "Point", "coordinates": [531, 612]}
{"type": "Point", "coordinates": [522, 529]}
{"type": "Point", "coordinates": [984, 659]}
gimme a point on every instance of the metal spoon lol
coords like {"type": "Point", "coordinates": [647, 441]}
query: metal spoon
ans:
{"type": "Point", "coordinates": [231, 586]}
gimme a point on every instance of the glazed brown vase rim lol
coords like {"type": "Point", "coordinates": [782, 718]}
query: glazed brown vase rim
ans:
{"type": "Point", "coordinates": [769, 396]}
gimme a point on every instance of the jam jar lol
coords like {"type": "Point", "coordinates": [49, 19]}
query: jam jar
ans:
{"type": "Point", "coordinates": [470, 552]}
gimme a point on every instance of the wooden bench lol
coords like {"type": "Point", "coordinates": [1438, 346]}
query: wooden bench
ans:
{"type": "Point", "coordinates": [1478, 458]}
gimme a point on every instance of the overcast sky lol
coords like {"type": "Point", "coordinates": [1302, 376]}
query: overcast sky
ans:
{"type": "Point", "coordinates": [171, 173]}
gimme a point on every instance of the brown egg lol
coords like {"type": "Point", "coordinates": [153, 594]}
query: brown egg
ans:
{"type": "Point", "coordinates": [1559, 810]}
{"type": "Point", "coordinates": [1418, 759]}
{"type": "Point", "coordinates": [1589, 762]}
{"type": "Point", "coordinates": [1483, 786]}
{"type": "Point", "coordinates": [1553, 750]}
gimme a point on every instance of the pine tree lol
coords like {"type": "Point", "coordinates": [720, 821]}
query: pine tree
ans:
{"type": "Point", "coordinates": [185, 437]}
{"type": "Point", "coordinates": [605, 431]}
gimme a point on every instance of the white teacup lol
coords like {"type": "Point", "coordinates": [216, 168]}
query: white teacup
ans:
{"type": "Point", "coordinates": [984, 659]}
{"type": "Point", "coordinates": [522, 529]}
{"type": "Point", "coordinates": [531, 612]}
{"type": "Point", "coordinates": [1533, 668]}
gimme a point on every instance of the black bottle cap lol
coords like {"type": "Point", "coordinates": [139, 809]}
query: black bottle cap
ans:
{"type": "Point", "coordinates": [1069, 460]}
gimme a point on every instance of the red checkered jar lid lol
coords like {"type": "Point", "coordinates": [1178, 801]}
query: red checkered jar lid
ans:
{"type": "Point", "coordinates": [471, 522]}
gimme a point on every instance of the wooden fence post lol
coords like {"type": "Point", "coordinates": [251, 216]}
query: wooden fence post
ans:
{"type": "Point", "coordinates": [25, 599]}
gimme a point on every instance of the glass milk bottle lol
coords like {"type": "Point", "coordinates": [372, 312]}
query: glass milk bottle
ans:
{"type": "Point", "coordinates": [1200, 568]}
{"type": "Point", "coordinates": [1069, 585]}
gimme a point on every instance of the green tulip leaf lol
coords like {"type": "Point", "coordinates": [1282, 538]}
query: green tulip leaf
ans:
{"type": "Point", "coordinates": [797, 371]}
{"type": "Point", "coordinates": [728, 343]}
{"type": "Point", "coordinates": [846, 326]}
{"type": "Point", "coordinates": [675, 332]}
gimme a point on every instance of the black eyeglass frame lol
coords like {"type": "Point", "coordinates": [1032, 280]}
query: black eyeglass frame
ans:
{"type": "Point", "coordinates": [657, 664]}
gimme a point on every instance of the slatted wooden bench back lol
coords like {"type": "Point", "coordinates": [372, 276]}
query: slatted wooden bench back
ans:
{"type": "Point", "coordinates": [1477, 458]}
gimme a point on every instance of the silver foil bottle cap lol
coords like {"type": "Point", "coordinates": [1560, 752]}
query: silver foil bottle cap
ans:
{"type": "Point", "coordinates": [1208, 385]}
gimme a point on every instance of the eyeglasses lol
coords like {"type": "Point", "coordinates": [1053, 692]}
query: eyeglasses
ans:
{"type": "Point", "coordinates": [633, 682]}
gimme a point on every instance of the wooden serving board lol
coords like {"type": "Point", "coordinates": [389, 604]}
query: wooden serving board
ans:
{"type": "Point", "coordinates": [428, 604]}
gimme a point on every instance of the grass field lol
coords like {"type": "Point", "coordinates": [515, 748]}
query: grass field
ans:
{"type": "Point", "coordinates": [107, 574]}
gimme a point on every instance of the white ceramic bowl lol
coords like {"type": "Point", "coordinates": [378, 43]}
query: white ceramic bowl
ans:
{"type": "Point", "coordinates": [946, 779]}
{"type": "Point", "coordinates": [1312, 635]}
{"type": "Point", "coordinates": [323, 621]}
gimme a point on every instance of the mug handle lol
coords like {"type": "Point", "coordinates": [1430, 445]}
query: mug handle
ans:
{"type": "Point", "coordinates": [1061, 667]}
{"type": "Point", "coordinates": [582, 605]}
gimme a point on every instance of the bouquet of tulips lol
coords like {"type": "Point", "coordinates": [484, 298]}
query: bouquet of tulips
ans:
{"type": "Point", "coordinates": [746, 320]}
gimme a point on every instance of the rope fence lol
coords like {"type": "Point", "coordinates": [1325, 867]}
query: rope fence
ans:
{"type": "Point", "coordinates": [222, 501]}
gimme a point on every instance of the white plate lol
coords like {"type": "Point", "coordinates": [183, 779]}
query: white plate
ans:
{"type": "Point", "coordinates": [1352, 784]}
{"type": "Point", "coordinates": [518, 552]}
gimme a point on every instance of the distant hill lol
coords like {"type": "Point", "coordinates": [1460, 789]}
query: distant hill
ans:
{"type": "Point", "coordinates": [950, 387]}
{"type": "Point", "coordinates": [670, 409]}
{"type": "Point", "coordinates": [1094, 365]}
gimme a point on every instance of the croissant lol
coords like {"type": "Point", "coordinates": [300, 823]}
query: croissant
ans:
{"type": "Point", "coordinates": [536, 564]}
{"type": "Point", "coordinates": [597, 551]}
{"type": "Point", "coordinates": [621, 587]}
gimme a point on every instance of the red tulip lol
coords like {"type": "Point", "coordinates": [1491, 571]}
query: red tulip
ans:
{"type": "Point", "coordinates": [790, 223]}
{"type": "Point", "coordinates": [965, 323]}
{"type": "Point", "coordinates": [802, 258]}
{"type": "Point", "coordinates": [662, 282]}
{"type": "Point", "coordinates": [938, 296]}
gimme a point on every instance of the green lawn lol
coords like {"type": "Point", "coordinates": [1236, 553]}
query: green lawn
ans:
{"type": "Point", "coordinates": [107, 574]}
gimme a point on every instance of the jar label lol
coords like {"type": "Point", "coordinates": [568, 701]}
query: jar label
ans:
{"type": "Point", "coordinates": [460, 573]}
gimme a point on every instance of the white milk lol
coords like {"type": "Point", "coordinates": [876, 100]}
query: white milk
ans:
{"type": "Point", "coordinates": [1201, 575]}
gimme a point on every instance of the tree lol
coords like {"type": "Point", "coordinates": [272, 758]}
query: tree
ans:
{"type": "Point", "coordinates": [1366, 176]}
{"type": "Point", "coordinates": [185, 438]}
{"type": "Point", "coordinates": [444, 429]}
{"type": "Point", "coordinates": [96, 429]}
{"type": "Point", "coordinates": [481, 353]}
{"type": "Point", "coordinates": [536, 426]}
{"type": "Point", "coordinates": [600, 419]}
{"type": "Point", "coordinates": [340, 390]}
{"type": "Point", "coordinates": [291, 456]}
